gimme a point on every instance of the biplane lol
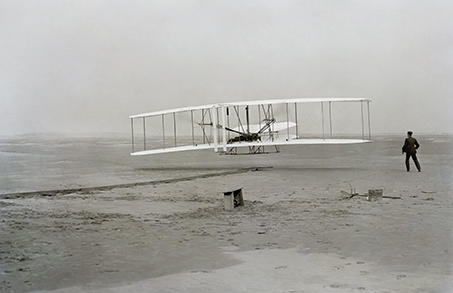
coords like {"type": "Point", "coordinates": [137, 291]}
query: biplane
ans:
{"type": "Point", "coordinates": [252, 125]}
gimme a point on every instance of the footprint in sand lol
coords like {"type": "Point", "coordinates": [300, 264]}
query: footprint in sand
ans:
{"type": "Point", "coordinates": [399, 277]}
{"type": "Point", "coordinates": [337, 285]}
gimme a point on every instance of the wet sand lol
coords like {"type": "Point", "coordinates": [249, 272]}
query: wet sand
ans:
{"type": "Point", "coordinates": [297, 232]}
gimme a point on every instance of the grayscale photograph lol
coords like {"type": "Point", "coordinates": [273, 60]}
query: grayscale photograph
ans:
{"type": "Point", "coordinates": [226, 146]}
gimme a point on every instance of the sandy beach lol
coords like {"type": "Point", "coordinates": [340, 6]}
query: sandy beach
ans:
{"type": "Point", "coordinates": [297, 232]}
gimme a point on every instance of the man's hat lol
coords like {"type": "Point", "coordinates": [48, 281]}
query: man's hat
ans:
{"type": "Point", "coordinates": [409, 132]}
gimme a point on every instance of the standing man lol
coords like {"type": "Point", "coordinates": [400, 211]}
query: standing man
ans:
{"type": "Point", "coordinates": [410, 148]}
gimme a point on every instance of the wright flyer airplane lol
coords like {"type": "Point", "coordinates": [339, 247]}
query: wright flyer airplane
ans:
{"type": "Point", "coordinates": [253, 126]}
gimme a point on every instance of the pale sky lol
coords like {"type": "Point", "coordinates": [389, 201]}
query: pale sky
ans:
{"type": "Point", "coordinates": [79, 66]}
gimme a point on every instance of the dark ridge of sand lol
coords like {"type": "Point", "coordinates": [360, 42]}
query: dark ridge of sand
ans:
{"type": "Point", "coordinates": [123, 185]}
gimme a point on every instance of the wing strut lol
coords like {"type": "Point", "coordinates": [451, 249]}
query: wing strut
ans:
{"type": "Point", "coordinates": [144, 134]}
{"type": "Point", "coordinates": [330, 118]}
{"type": "Point", "coordinates": [163, 129]}
{"type": "Point", "coordinates": [287, 121]}
{"type": "Point", "coordinates": [222, 112]}
{"type": "Point", "coordinates": [191, 124]}
{"type": "Point", "coordinates": [322, 118]}
{"type": "Point", "coordinates": [174, 127]}
{"type": "Point", "coordinates": [214, 118]}
{"type": "Point", "coordinates": [369, 120]}
{"type": "Point", "coordinates": [132, 128]}
{"type": "Point", "coordinates": [295, 116]}
{"type": "Point", "coordinates": [363, 126]}
{"type": "Point", "coordinates": [248, 119]}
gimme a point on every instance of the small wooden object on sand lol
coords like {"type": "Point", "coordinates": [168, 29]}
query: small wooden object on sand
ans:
{"type": "Point", "coordinates": [233, 199]}
{"type": "Point", "coordinates": [374, 194]}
